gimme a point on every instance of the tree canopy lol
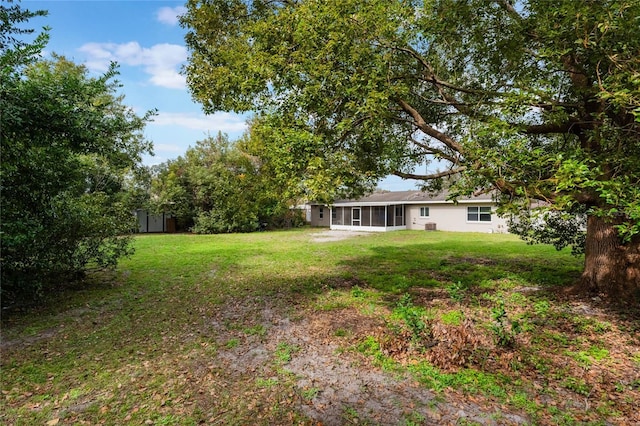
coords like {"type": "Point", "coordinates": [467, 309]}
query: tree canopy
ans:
{"type": "Point", "coordinates": [531, 100]}
{"type": "Point", "coordinates": [68, 146]}
{"type": "Point", "coordinates": [219, 187]}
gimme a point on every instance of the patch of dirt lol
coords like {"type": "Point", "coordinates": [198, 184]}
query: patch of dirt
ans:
{"type": "Point", "coordinates": [6, 344]}
{"type": "Point", "coordinates": [336, 386]}
{"type": "Point", "coordinates": [332, 383]}
{"type": "Point", "coordinates": [333, 235]}
{"type": "Point", "coordinates": [283, 360]}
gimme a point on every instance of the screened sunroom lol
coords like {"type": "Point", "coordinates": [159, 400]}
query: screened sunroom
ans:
{"type": "Point", "coordinates": [368, 217]}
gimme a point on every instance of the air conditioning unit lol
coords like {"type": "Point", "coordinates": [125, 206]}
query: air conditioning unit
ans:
{"type": "Point", "coordinates": [430, 226]}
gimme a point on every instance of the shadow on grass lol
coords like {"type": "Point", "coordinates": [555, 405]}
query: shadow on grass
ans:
{"type": "Point", "coordinates": [181, 271]}
{"type": "Point", "coordinates": [482, 274]}
{"type": "Point", "coordinates": [394, 269]}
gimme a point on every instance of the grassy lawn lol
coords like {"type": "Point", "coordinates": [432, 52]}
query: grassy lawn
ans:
{"type": "Point", "coordinates": [276, 328]}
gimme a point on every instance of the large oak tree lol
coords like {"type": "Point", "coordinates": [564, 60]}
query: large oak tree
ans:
{"type": "Point", "coordinates": [532, 100]}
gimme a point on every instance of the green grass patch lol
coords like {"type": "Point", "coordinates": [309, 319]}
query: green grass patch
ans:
{"type": "Point", "coordinates": [266, 383]}
{"type": "Point", "coordinates": [256, 330]}
{"type": "Point", "coordinates": [310, 393]}
{"type": "Point", "coordinates": [284, 351]}
{"type": "Point", "coordinates": [452, 317]}
{"type": "Point", "coordinates": [147, 341]}
{"type": "Point", "coordinates": [586, 358]}
{"type": "Point", "coordinates": [468, 380]}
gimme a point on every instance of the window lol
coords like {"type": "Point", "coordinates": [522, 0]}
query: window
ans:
{"type": "Point", "coordinates": [479, 214]}
{"type": "Point", "coordinates": [424, 211]}
{"type": "Point", "coordinates": [336, 215]}
{"type": "Point", "coordinates": [321, 212]}
{"type": "Point", "coordinates": [398, 211]}
{"type": "Point", "coordinates": [378, 215]}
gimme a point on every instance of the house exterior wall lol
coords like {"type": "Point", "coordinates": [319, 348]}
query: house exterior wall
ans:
{"type": "Point", "coordinates": [451, 217]}
{"type": "Point", "coordinates": [320, 216]}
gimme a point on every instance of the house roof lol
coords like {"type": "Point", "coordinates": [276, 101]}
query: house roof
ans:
{"type": "Point", "coordinates": [410, 197]}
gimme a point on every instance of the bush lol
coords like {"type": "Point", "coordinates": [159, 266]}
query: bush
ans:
{"type": "Point", "coordinates": [220, 221]}
{"type": "Point", "coordinates": [68, 146]}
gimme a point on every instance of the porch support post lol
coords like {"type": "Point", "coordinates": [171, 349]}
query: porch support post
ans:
{"type": "Point", "coordinates": [386, 212]}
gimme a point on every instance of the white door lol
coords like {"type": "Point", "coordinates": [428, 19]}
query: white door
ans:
{"type": "Point", "coordinates": [355, 216]}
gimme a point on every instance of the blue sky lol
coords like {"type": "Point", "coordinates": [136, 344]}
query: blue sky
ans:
{"type": "Point", "coordinates": [144, 38]}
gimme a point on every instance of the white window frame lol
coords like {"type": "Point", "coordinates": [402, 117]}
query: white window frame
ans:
{"type": "Point", "coordinates": [422, 210]}
{"type": "Point", "coordinates": [480, 211]}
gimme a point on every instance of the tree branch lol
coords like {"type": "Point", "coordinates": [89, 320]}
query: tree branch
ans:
{"type": "Point", "coordinates": [506, 4]}
{"type": "Point", "coordinates": [430, 176]}
{"type": "Point", "coordinates": [427, 129]}
{"type": "Point", "coordinates": [431, 77]}
{"type": "Point", "coordinates": [545, 129]}
{"type": "Point", "coordinates": [435, 151]}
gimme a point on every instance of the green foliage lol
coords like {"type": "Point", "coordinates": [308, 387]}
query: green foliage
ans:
{"type": "Point", "coordinates": [218, 187]}
{"type": "Point", "coordinates": [541, 308]}
{"type": "Point", "coordinates": [284, 351]}
{"type": "Point", "coordinates": [452, 318]}
{"type": "Point", "coordinates": [310, 394]}
{"type": "Point", "coordinates": [357, 292]}
{"type": "Point", "coordinates": [232, 343]}
{"type": "Point", "coordinates": [266, 383]}
{"type": "Point", "coordinates": [411, 315]}
{"type": "Point", "coordinates": [414, 419]}
{"type": "Point", "coordinates": [16, 53]}
{"type": "Point", "coordinates": [531, 100]}
{"type": "Point", "coordinates": [69, 145]}
{"type": "Point", "coordinates": [467, 380]}
{"type": "Point", "coordinates": [560, 229]}
{"type": "Point", "coordinates": [587, 357]}
{"type": "Point", "coordinates": [369, 346]}
{"type": "Point", "coordinates": [256, 330]}
{"type": "Point", "coordinates": [457, 291]}
{"type": "Point", "coordinates": [504, 330]}
{"type": "Point", "coordinates": [578, 385]}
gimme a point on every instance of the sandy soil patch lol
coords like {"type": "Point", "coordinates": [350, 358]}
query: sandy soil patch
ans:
{"type": "Point", "coordinates": [341, 382]}
{"type": "Point", "coordinates": [334, 235]}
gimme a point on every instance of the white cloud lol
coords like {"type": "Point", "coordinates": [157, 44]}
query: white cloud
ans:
{"type": "Point", "coordinates": [169, 15]}
{"type": "Point", "coordinates": [161, 61]}
{"type": "Point", "coordinates": [223, 121]}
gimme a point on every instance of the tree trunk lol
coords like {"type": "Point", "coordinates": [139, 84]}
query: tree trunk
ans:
{"type": "Point", "coordinates": [610, 267]}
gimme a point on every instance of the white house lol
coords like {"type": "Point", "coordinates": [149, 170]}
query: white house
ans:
{"type": "Point", "coordinates": [389, 211]}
